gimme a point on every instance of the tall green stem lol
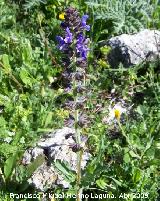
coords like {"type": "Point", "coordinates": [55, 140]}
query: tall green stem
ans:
{"type": "Point", "coordinates": [79, 153]}
{"type": "Point", "coordinates": [124, 134]}
{"type": "Point", "coordinates": [79, 189]}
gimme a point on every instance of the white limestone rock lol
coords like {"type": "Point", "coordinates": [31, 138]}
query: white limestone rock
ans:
{"type": "Point", "coordinates": [57, 146]}
{"type": "Point", "coordinates": [134, 49]}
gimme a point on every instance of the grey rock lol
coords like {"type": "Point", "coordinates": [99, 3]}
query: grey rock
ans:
{"type": "Point", "coordinates": [58, 145]}
{"type": "Point", "coordinates": [134, 49]}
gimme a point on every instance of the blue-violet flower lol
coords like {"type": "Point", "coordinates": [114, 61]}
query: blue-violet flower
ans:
{"type": "Point", "coordinates": [83, 22]}
{"type": "Point", "coordinates": [81, 46]}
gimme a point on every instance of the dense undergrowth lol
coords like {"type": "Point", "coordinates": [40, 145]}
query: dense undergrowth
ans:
{"type": "Point", "coordinates": [126, 153]}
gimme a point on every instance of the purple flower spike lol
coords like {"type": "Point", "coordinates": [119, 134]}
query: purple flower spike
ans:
{"type": "Point", "coordinates": [61, 42]}
{"type": "Point", "coordinates": [84, 19]}
{"type": "Point", "coordinates": [67, 40]}
{"type": "Point", "coordinates": [68, 37]}
{"type": "Point", "coordinates": [83, 22]}
{"type": "Point", "coordinates": [81, 47]}
{"type": "Point", "coordinates": [73, 41]}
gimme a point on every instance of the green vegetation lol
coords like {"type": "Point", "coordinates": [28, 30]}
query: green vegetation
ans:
{"type": "Point", "coordinates": [126, 151]}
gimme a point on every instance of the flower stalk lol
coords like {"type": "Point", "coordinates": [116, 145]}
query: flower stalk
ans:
{"type": "Point", "coordinates": [74, 47]}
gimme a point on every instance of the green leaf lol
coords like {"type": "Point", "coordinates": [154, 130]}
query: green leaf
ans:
{"type": "Point", "coordinates": [2, 122]}
{"type": "Point", "coordinates": [66, 170]}
{"type": "Point", "coordinates": [26, 77]}
{"type": "Point", "coordinates": [141, 110]}
{"type": "Point", "coordinates": [6, 64]}
{"type": "Point", "coordinates": [7, 149]}
{"type": "Point", "coordinates": [101, 183]}
{"type": "Point", "coordinates": [158, 145]}
{"type": "Point", "coordinates": [154, 162]}
{"type": "Point", "coordinates": [136, 175]}
{"type": "Point", "coordinates": [34, 165]}
{"type": "Point", "coordinates": [48, 119]}
{"type": "Point", "coordinates": [17, 138]}
{"type": "Point", "coordinates": [27, 52]}
{"type": "Point", "coordinates": [148, 145]}
{"type": "Point", "coordinates": [126, 158]}
{"type": "Point", "coordinates": [9, 165]}
{"type": "Point", "coordinates": [119, 183]}
{"type": "Point", "coordinates": [132, 154]}
{"type": "Point", "coordinates": [150, 153]}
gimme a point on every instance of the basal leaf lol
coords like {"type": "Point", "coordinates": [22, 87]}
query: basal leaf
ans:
{"type": "Point", "coordinates": [34, 165]}
{"type": "Point", "coordinates": [9, 165]}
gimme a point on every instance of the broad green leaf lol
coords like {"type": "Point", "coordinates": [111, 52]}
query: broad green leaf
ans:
{"type": "Point", "coordinates": [66, 170]}
{"type": "Point", "coordinates": [126, 158]}
{"type": "Point", "coordinates": [136, 175]}
{"type": "Point", "coordinates": [17, 138]}
{"type": "Point", "coordinates": [25, 77]}
{"type": "Point", "coordinates": [141, 110]}
{"type": "Point", "coordinates": [6, 64]}
{"type": "Point", "coordinates": [158, 145]}
{"type": "Point", "coordinates": [150, 153]}
{"type": "Point", "coordinates": [134, 155]}
{"type": "Point", "coordinates": [149, 144]}
{"type": "Point", "coordinates": [34, 165]}
{"type": "Point", "coordinates": [3, 99]}
{"type": "Point", "coordinates": [10, 165]}
{"type": "Point", "coordinates": [101, 183]}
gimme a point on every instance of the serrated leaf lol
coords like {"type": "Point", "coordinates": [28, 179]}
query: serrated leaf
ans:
{"type": "Point", "coordinates": [7, 149]}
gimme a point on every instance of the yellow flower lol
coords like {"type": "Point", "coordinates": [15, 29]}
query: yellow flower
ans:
{"type": "Point", "coordinates": [117, 113]}
{"type": "Point", "coordinates": [62, 113]}
{"type": "Point", "coordinates": [62, 16]}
